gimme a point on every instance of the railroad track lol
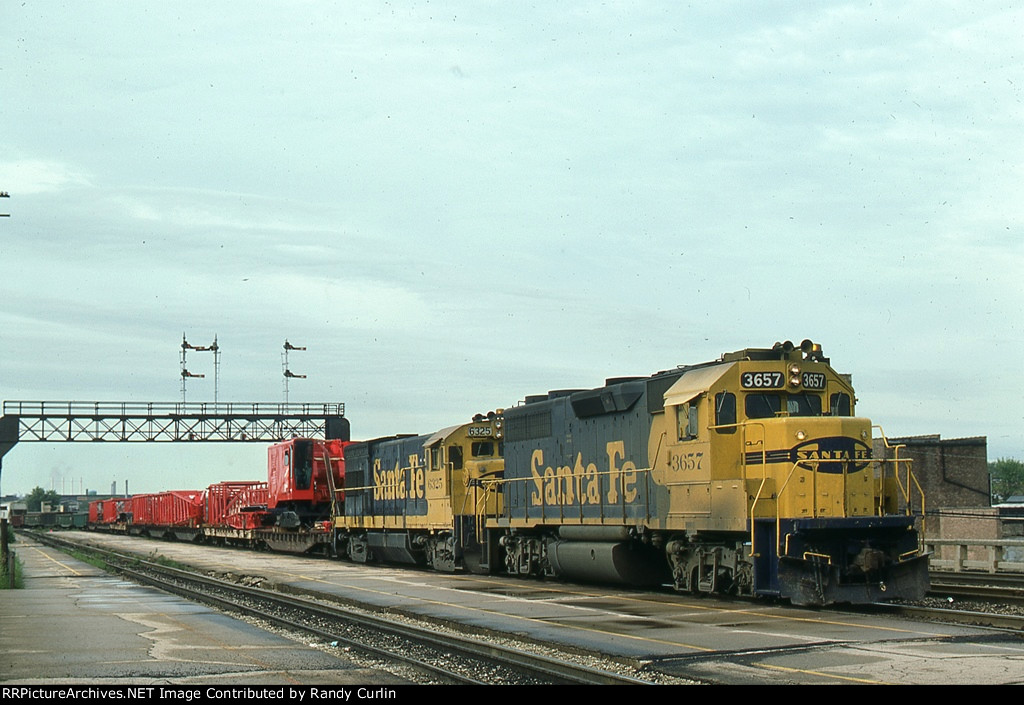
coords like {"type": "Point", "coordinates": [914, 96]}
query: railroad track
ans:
{"type": "Point", "coordinates": [1007, 580]}
{"type": "Point", "coordinates": [993, 600]}
{"type": "Point", "coordinates": [971, 617]}
{"type": "Point", "coordinates": [439, 655]}
{"type": "Point", "coordinates": [997, 587]}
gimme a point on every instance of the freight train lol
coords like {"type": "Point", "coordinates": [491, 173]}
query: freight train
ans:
{"type": "Point", "coordinates": [749, 475]}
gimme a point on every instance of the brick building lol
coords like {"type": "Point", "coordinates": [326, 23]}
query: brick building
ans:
{"type": "Point", "coordinates": [953, 474]}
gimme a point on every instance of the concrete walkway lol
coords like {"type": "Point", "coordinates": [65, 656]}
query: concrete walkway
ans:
{"type": "Point", "coordinates": [75, 624]}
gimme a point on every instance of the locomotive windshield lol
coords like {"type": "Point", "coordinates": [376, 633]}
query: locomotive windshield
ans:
{"type": "Point", "coordinates": [483, 448]}
{"type": "Point", "coordinates": [765, 406]}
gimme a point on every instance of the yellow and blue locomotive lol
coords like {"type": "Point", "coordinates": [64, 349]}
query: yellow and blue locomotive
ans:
{"type": "Point", "coordinates": [749, 475]}
{"type": "Point", "coordinates": [422, 499]}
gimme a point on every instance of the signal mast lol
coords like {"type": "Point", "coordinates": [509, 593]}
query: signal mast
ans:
{"type": "Point", "coordinates": [185, 374]}
{"type": "Point", "coordinates": [286, 372]}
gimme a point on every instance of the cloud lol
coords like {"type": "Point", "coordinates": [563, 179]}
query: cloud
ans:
{"type": "Point", "coordinates": [34, 176]}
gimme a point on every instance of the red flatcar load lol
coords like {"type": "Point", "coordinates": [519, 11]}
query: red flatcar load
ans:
{"type": "Point", "coordinates": [236, 505]}
{"type": "Point", "coordinates": [179, 508]}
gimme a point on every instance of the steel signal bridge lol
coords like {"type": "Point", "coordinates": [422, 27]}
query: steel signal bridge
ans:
{"type": "Point", "coordinates": [234, 422]}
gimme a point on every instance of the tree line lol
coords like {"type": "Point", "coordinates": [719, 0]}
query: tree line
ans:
{"type": "Point", "coordinates": [1007, 475]}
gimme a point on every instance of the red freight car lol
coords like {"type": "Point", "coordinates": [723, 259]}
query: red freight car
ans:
{"type": "Point", "coordinates": [96, 512]}
{"type": "Point", "coordinates": [107, 512]}
{"type": "Point", "coordinates": [141, 512]}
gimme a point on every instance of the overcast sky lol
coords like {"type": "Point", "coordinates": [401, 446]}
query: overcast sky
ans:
{"type": "Point", "coordinates": [455, 204]}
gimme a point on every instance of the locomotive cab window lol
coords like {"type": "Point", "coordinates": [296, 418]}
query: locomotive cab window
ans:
{"type": "Point", "coordinates": [725, 412]}
{"type": "Point", "coordinates": [483, 449]}
{"type": "Point", "coordinates": [455, 457]}
{"type": "Point", "coordinates": [766, 406]}
{"type": "Point", "coordinates": [803, 405]}
{"type": "Point", "coordinates": [840, 405]}
{"type": "Point", "coordinates": [435, 457]}
{"type": "Point", "coordinates": [762, 406]}
{"type": "Point", "coordinates": [686, 421]}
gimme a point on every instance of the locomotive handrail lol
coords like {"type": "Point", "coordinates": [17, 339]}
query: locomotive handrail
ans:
{"type": "Point", "coordinates": [488, 485]}
{"type": "Point", "coordinates": [778, 514]}
{"type": "Point", "coordinates": [779, 547]}
{"type": "Point", "coordinates": [812, 554]}
{"type": "Point", "coordinates": [764, 473]}
{"type": "Point", "coordinates": [330, 482]}
{"type": "Point", "coordinates": [911, 478]}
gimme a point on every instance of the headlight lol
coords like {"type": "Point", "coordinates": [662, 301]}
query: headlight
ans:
{"type": "Point", "coordinates": [801, 435]}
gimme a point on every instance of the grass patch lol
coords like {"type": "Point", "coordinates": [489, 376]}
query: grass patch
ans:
{"type": "Point", "coordinates": [5, 579]}
{"type": "Point", "coordinates": [166, 562]}
{"type": "Point", "coordinates": [90, 558]}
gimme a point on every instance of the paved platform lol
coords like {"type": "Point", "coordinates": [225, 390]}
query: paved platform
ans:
{"type": "Point", "coordinates": [139, 632]}
{"type": "Point", "coordinates": [74, 624]}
